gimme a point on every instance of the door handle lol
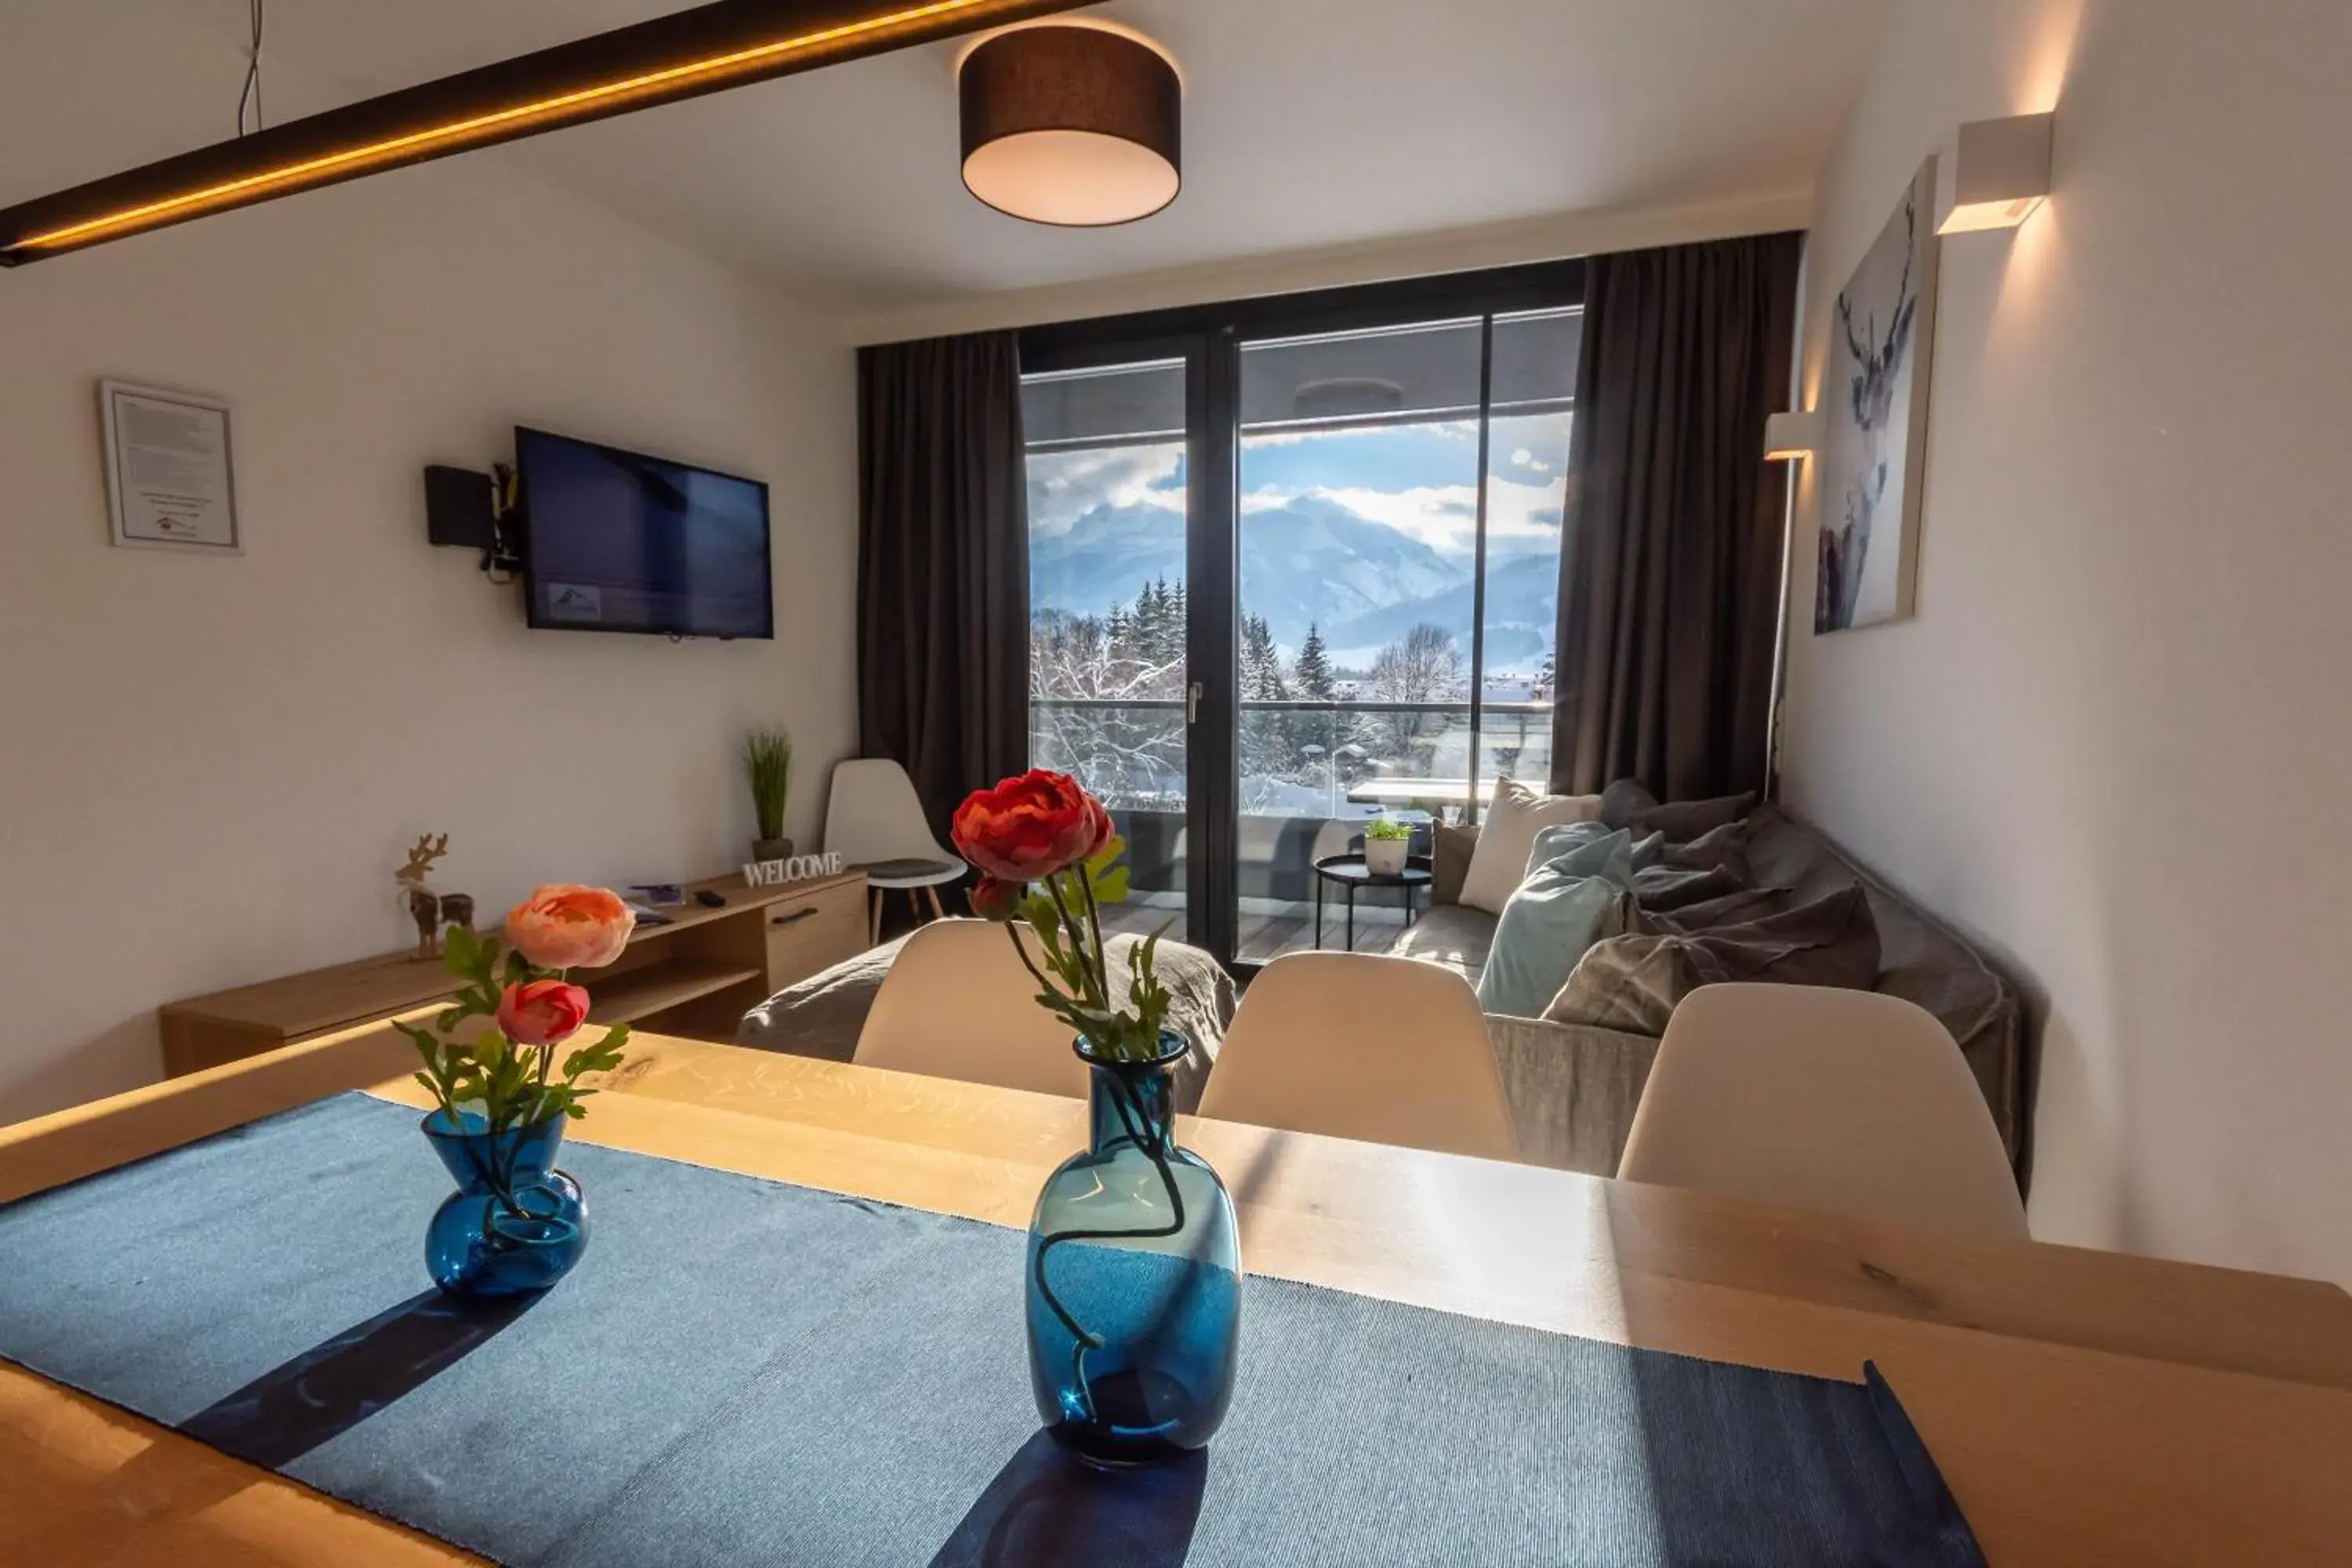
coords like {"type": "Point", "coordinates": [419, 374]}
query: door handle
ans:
{"type": "Point", "coordinates": [794, 917]}
{"type": "Point", "coordinates": [1192, 703]}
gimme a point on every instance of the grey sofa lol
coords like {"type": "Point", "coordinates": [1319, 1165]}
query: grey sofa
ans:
{"type": "Point", "coordinates": [1573, 1087]}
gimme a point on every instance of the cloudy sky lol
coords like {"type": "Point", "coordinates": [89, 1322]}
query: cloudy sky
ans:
{"type": "Point", "coordinates": [1420, 479]}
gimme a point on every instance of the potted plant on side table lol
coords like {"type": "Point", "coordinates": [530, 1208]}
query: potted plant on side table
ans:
{"type": "Point", "coordinates": [1386, 843]}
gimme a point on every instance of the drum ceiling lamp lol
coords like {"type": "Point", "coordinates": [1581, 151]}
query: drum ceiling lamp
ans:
{"type": "Point", "coordinates": [1077, 123]}
{"type": "Point", "coordinates": [684, 55]}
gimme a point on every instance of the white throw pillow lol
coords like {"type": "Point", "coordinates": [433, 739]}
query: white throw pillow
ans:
{"type": "Point", "coordinates": [1499, 863]}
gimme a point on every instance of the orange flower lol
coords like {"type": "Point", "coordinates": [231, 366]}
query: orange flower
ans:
{"type": "Point", "coordinates": [1027, 828]}
{"type": "Point", "coordinates": [541, 1012]}
{"type": "Point", "coordinates": [565, 926]}
{"type": "Point", "coordinates": [994, 898]}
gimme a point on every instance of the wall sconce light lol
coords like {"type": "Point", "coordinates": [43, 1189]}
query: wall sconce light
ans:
{"type": "Point", "coordinates": [1793, 435]}
{"type": "Point", "coordinates": [2002, 172]}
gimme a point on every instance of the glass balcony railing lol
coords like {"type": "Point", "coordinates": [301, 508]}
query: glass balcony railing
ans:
{"type": "Point", "coordinates": [1311, 773]}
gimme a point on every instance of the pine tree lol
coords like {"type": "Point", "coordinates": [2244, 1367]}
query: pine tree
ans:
{"type": "Point", "coordinates": [1313, 667]}
{"type": "Point", "coordinates": [1262, 675]}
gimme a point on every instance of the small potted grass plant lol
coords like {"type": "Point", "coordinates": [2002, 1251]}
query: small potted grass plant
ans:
{"type": "Point", "coordinates": [1386, 845]}
{"type": "Point", "coordinates": [767, 768]}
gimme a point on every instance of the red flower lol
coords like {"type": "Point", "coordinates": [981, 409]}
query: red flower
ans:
{"type": "Point", "coordinates": [1026, 829]}
{"type": "Point", "coordinates": [994, 898]}
{"type": "Point", "coordinates": [541, 1012]}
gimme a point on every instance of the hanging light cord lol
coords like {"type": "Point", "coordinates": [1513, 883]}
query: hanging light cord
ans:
{"type": "Point", "coordinates": [252, 91]}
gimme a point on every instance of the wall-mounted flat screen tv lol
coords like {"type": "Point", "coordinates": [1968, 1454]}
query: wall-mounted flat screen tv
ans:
{"type": "Point", "coordinates": [618, 541]}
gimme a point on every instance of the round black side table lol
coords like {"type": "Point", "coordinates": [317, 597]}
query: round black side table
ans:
{"type": "Point", "coordinates": [1350, 872]}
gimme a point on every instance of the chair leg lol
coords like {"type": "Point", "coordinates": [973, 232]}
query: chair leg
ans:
{"type": "Point", "coordinates": [933, 895]}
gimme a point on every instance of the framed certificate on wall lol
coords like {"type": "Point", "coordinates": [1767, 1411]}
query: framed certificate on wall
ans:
{"type": "Point", "coordinates": [170, 474]}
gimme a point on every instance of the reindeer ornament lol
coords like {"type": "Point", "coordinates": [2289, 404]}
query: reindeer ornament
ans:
{"type": "Point", "coordinates": [423, 904]}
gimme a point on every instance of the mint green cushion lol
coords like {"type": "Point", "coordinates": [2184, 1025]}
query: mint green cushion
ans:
{"type": "Point", "coordinates": [1567, 902]}
{"type": "Point", "coordinates": [1568, 838]}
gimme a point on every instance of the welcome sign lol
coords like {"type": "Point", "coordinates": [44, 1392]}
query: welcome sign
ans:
{"type": "Point", "coordinates": [798, 868]}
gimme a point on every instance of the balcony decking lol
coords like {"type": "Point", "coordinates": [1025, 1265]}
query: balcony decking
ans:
{"type": "Point", "coordinates": [1270, 927]}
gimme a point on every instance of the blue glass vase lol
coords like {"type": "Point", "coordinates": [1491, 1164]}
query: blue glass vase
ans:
{"type": "Point", "coordinates": [1134, 1279]}
{"type": "Point", "coordinates": [516, 1223]}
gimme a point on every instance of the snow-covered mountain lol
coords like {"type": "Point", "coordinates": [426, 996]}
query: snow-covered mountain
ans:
{"type": "Point", "coordinates": [1311, 560]}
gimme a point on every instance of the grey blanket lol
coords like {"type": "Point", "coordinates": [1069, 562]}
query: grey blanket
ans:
{"type": "Point", "coordinates": [822, 1014]}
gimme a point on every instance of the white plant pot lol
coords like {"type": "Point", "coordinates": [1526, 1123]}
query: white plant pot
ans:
{"type": "Point", "coordinates": [1386, 857]}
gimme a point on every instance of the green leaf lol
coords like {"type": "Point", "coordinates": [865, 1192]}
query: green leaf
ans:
{"type": "Point", "coordinates": [1111, 888]}
{"type": "Point", "coordinates": [1100, 860]}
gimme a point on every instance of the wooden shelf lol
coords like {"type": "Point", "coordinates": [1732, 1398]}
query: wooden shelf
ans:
{"type": "Point", "coordinates": [658, 987]}
{"type": "Point", "coordinates": [703, 951]}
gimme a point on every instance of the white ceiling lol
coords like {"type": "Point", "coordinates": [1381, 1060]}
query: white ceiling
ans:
{"type": "Point", "coordinates": [1308, 124]}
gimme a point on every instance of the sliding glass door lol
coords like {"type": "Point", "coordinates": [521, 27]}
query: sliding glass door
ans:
{"type": "Point", "coordinates": [1294, 568]}
{"type": "Point", "coordinates": [1109, 534]}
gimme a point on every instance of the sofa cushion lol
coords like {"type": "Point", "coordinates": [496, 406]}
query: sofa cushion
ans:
{"type": "Point", "coordinates": [1725, 910]}
{"type": "Point", "coordinates": [1664, 888]}
{"type": "Point", "coordinates": [1622, 800]}
{"type": "Point", "coordinates": [1633, 982]}
{"type": "Point", "coordinates": [1574, 837]}
{"type": "Point", "coordinates": [1682, 820]}
{"type": "Point", "coordinates": [1725, 846]}
{"type": "Point", "coordinates": [1499, 863]}
{"type": "Point", "coordinates": [1449, 861]}
{"type": "Point", "coordinates": [1567, 902]}
{"type": "Point", "coordinates": [1452, 935]}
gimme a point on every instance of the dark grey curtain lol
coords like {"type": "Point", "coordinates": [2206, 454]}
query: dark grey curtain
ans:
{"type": "Point", "coordinates": [1670, 573]}
{"type": "Point", "coordinates": [943, 564]}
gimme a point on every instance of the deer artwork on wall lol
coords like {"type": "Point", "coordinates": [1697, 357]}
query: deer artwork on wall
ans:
{"type": "Point", "coordinates": [423, 904]}
{"type": "Point", "coordinates": [1884, 315]}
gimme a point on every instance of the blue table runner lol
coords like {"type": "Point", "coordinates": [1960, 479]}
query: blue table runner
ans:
{"type": "Point", "coordinates": [746, 1372]}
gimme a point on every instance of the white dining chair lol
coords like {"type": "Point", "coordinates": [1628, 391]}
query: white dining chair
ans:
{"type": "Point", "coordinates": [1815, 1097]}
{"type": "Point", "coordinates": [1356, 1045]}
{"type": "Point", "coordinates": [957, 1004]}
{"type": "Point", "coordinates": [874, 821]}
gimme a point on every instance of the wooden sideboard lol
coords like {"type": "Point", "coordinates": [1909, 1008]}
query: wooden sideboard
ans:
{"type": "Point", "coordinates": [694, 976]}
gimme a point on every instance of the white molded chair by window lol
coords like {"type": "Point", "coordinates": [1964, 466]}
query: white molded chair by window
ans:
{"type": "Point", "coordinates": [1849, 1102]}
{"type": "Point", "coordinates": [874, 821]}
{"type": "Point", "coordinates": [1354, 1045]}
{"type": "Point", "coordinates": [957, 1004]}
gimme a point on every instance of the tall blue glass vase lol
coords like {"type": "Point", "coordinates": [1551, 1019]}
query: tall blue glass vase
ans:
{"type": "Point", "coordinates": [516, 1223]}
{"type": "Point", "coordinates": [1134, 1279]}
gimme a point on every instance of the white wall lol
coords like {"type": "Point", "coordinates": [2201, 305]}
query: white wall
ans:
{"type": "Point", "coordinates": [2114, 740]}
{"type": "Point", "coordinates": [209, 768]}
{"type": "Point", "coordinates": [1339, 267]}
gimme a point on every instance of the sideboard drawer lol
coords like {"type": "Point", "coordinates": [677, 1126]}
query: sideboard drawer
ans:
{"type": "Point", "coordinates": [815, 932]}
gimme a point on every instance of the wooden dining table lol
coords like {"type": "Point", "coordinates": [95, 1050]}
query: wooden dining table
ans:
{"type": "Point", "coordinates": [2085, 1407]}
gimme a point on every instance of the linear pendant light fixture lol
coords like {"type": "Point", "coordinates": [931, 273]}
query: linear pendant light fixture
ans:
{"type": "Point", "coordinates": [686, 55]}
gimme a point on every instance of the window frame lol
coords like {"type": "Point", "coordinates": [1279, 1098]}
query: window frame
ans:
{"type": "Point", "coordinates": [1209, 339]}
